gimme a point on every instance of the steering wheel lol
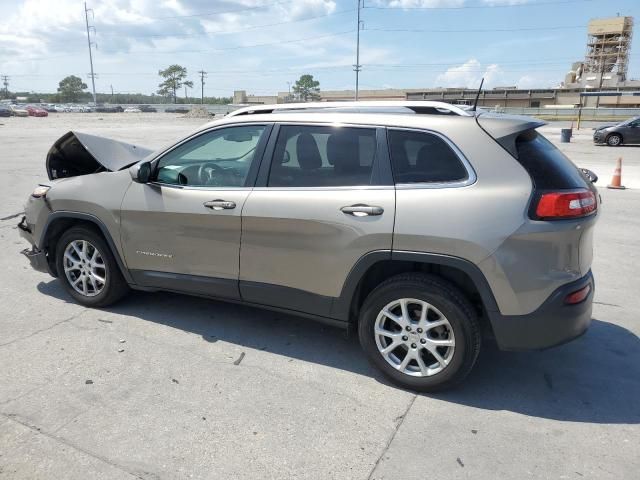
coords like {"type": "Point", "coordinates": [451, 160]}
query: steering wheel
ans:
{"type": "Point", "coordinates": [207, 173]}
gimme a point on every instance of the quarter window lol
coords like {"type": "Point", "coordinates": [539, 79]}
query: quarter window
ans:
{"type": "Point", "coordinates": [220, 158]}
{"type": "Point", "coordinates": [320, 156]}
{"type": "Point", "coordinates": [419, 157]}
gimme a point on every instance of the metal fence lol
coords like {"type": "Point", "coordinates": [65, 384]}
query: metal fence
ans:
{"type": "Point", "coordinates": [572, 113]}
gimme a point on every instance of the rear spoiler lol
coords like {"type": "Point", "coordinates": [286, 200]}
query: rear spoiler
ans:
{"type": "Point", "coordinates": [504, 129]}
{"type": "Point", "coordinates": [77, 153]}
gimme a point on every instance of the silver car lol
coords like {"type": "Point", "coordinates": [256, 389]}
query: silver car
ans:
{"type": "Point", "coordinates": [424, 227]}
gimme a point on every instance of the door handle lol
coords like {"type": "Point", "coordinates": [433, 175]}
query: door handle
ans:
{"type": "Point", "coordinates": [220, 205]}
{"type": "Point", "coordinates": [362, 210]}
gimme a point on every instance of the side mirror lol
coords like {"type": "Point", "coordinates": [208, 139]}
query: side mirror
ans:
{"type": "Point", "coordinates": [593, 178]}
{"type": "Point", "coordinates": [141, 172]}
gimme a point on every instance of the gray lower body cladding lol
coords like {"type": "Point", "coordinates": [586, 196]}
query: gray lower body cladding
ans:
{"type": "Point", "coordinates": [553, 323]}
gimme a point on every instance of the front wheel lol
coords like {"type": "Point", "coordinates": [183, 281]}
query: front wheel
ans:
{"type": "Point", "coordinates": [87, 268]}
{"type": "Point", "coordinates": [614, 140]}
{"type": "Point", "coordinates": [420, 331]}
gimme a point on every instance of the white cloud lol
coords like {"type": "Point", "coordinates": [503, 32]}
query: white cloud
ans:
{"type": "Point", "coordinates": [469, 74]}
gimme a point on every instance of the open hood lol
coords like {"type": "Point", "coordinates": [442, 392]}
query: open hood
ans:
{"type": "Point", "coordinates": [78, 153]}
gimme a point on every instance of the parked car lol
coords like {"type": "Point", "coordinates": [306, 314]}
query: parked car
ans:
{"type": "Point", "coordinates": [147, 108]}
{"type": "Point", "coordinates": [109, 109]}
{"type": "Point", "coordinates": [19, 111]}
{"type": "Point", "coordinates": [5, 111]}
{"type": "Point", "coordinates": [132, 110]}
{"type": "Point", "coordinates": [176, 110]}
{"type": "Point", "coordinates": [35, 111]}
{"type": "Point", "coordinates": [425, 232]}
{"type": "Point", "coordinates": [627, 132]}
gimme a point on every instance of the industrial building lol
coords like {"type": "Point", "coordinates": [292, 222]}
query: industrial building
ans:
{"type": "Point", "coordinates": [605, 66]}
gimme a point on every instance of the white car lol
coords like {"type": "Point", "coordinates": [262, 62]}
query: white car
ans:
{"type": "Point", "coordinates": [132, 110]}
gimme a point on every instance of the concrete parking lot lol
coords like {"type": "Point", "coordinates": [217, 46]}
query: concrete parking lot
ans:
{"type": "Point", "coordinates": [163, 386]}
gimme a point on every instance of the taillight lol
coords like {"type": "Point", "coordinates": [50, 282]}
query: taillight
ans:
{"type": "Point", "coordinates": [578, 296]}
{"type": "Point", "coordinates": [566, 204]}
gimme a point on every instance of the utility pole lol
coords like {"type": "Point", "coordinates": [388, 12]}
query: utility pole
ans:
{"type": "Point", "coordinates": [5, 82]}
{"type": "Point", "coordinates": [111, 93]}
{"type": "Point", "coordinates": [357, 67]}
{"type": "Point", "coordinates": [202, 75]}
{"type": "Point", "coordinates": [89, 42]}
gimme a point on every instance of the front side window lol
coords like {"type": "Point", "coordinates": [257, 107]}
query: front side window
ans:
{"type": "Point", "coordinates": [322, 156]}
{"type": "Point", "coordinates": [220, 158]}
{"type": "Point", "coordinates": [420, 157]}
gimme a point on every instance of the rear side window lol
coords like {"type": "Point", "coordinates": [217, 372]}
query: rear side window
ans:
{"type": "Point", "coordinates": [419, 157]}
{"type": "Point", "coordinates": [547, 166]}
{"type": "Point", "coordinates": [322, 156]}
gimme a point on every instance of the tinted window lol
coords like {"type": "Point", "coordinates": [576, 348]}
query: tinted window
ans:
{"type": "Point", "coordinates": [310, 156]}
{"type": "Point", "coordinates": [220, 158]}
{"type": "Point", "coordinates": [548, 167]}
{"type": "Point", "coordinates": [419, 157]}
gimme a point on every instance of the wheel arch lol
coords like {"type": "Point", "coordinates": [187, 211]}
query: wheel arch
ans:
{"type": "Point", "coordinates": [59, 222]}
{"type": "Point", "coordinates": [375, 267]}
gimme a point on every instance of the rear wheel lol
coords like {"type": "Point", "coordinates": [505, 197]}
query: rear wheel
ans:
{"type": "Point", "coordinates": [614, 140]}
{"type": "Point", "coordinates": [87, 268]}
{"type": "Point", "coordinates": [420, 331]}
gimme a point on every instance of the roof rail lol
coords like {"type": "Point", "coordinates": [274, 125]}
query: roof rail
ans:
{"type": "Point", "coordinates": [420, 107]}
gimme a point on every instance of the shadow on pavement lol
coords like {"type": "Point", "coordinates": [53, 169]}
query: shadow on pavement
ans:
{"type": "Point", "coordinates": [594, 379]}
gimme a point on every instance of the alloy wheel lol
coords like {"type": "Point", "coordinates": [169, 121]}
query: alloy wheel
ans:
{"type": "Point", "coordinates": [84, 268]}
{"type": "Point", "coordinates": [414, 337]}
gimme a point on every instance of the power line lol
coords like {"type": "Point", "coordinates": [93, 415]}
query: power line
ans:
{"type": "Point", "coordinates": [239, 47]}
{"type": "Point", "coordinates": [222, 12]}
{"type": "Point", "coordinates": [224, 32]}
{"type": "Point", "coordinates": [473, 30]}
{"type": "Point", "coordinates": [465, 7]}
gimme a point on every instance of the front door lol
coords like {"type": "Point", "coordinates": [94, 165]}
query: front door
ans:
{"type": "Point", "coordinates": [323, 206]}
{"type": "Point", "coordinates": [182, 230]}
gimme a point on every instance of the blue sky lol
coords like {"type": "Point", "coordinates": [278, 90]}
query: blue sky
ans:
{"type": "Point", "coordinates": [260, 45]}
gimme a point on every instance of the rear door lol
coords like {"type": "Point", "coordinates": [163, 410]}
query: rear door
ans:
{"type": "Point", "coordinates": [323, 201]}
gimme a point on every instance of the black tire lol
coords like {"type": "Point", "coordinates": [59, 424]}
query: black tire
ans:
{"type": "Point", "coordinates": [115, 286]}
{"type": "Point", "coordinates": [454, 306]}
{"type": "Point", "coordinates": [614, 140]}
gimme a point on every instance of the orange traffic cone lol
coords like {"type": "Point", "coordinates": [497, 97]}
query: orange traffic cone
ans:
{"type": "Point", "coordinates": [616, 181]}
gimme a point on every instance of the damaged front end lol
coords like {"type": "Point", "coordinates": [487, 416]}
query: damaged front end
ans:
{"type": "Point", "coordinates": [77, 153]}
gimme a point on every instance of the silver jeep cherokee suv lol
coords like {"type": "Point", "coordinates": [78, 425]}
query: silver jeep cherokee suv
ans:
{"type": "Point", "coordinates": [425, 227]}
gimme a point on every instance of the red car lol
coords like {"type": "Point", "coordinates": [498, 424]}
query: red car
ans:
{"type": "Point", "coordinates": [37, 111]}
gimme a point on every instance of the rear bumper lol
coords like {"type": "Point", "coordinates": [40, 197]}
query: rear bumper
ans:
{"type": "Point", "coordinates": [553, 323]}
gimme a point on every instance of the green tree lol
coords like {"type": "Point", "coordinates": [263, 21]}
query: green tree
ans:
{"type": "Point", "coordinates": [71, 88]}
{"type": "Point", "coordinates": [306, 88]}
{"type": "Point", "coordinates": [174, 78]}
